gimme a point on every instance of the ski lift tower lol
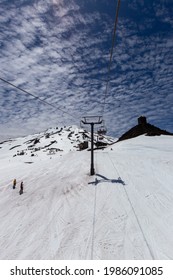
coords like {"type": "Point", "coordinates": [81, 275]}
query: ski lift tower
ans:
{"type": "Point", "coordinates": [92, 120]}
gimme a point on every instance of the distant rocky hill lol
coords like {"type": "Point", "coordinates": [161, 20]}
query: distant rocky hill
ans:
{"type": "Point", "coordinates": [53, 141]}
{"type": "Point", "coordinates": [143, 128]}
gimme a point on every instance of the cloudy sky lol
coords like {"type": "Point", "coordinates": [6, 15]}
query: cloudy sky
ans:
{"type": "Point", "coordinates": [59, 51]}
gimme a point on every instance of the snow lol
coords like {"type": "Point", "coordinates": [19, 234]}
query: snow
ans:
{"type": "Point", "coordinates": [123, 212]}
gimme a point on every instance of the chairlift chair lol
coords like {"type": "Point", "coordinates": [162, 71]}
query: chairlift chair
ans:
{"type": "Point", "coordinates": [102, 130]}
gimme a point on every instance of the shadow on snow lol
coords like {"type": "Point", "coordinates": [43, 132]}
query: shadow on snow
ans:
{"type": "Point", "coordinates": [104, 179]}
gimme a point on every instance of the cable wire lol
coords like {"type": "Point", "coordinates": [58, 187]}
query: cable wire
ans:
{"type": "Point", "coordinates": [111, 54]}
{"type": "Point", "coordinates": [36, 97]}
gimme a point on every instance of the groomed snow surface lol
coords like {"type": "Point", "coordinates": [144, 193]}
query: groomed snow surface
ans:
{"type": "Point", "coordinates": [125, 211]}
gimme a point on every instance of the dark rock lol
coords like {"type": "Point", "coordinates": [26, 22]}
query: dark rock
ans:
{"type": "Point", "coordinates": [143, 128]}
{"type": "Point", "coordinates": [83, 145]}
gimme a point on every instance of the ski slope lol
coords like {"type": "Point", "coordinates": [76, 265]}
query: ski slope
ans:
{"type": "Point", "coordinates": [125, 211]}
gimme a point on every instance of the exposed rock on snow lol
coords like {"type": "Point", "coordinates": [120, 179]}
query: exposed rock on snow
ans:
{"type": "Point", "coordinates": [143, 128]}
{"type": "Point", "coordinates": [123, 212]}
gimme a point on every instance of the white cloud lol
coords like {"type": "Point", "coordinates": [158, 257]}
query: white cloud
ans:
{"type": "Point", "coordinates": [61, 55]}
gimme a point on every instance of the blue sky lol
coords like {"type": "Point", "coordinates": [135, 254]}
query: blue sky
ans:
{"type": "Point", "coordinates": [59, 50]}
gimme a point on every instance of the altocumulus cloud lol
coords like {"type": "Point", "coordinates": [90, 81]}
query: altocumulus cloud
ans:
{"type": "Point", "coordinates": [59, 51]}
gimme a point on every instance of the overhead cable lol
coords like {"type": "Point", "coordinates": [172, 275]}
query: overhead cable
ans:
{"type": "Point", "coordinates": [38, 98]}
{"type": "Point", "coordinates": [111, 54]}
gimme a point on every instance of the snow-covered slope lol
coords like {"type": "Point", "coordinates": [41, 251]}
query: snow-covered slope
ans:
{"type": "Point", "coordinates": [125, 211]}
{"type": "Point", "coordinates": [53, 141]}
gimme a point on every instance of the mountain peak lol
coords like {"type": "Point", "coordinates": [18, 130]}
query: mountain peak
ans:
{"type": "Point", "coordinates": [143, 127]}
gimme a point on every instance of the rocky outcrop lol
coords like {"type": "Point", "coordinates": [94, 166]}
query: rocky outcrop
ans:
{"type": "Point", "coordinates": [143, 128]}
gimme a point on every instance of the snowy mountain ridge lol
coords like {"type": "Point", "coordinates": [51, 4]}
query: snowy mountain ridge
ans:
{"type": "Point", "coordinates": [52, 141]}
{"type": "Point", "coordinates": [124, 211]}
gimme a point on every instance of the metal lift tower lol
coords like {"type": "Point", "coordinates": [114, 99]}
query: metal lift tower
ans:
{"type": "Point", "coordinates": [92, 120]}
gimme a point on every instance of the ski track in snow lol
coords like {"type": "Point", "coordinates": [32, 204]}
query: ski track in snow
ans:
{"type": "Point", "coordinates": [125, 211]}
{"type": "Point", "coordinates": [119, 219]}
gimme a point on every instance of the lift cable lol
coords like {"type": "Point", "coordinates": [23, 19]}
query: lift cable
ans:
{"type": "Point", "coordinates": [111, 54]}
{"type": "Point", "coordinates": [36, 97]}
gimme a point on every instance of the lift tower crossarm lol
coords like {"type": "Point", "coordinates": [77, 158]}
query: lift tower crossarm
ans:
{"type": "Point", "coordinates": [92, 120]}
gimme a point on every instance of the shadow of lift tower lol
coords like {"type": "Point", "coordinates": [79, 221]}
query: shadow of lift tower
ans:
{"type": "Point", "coordinates": [92, 120]}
